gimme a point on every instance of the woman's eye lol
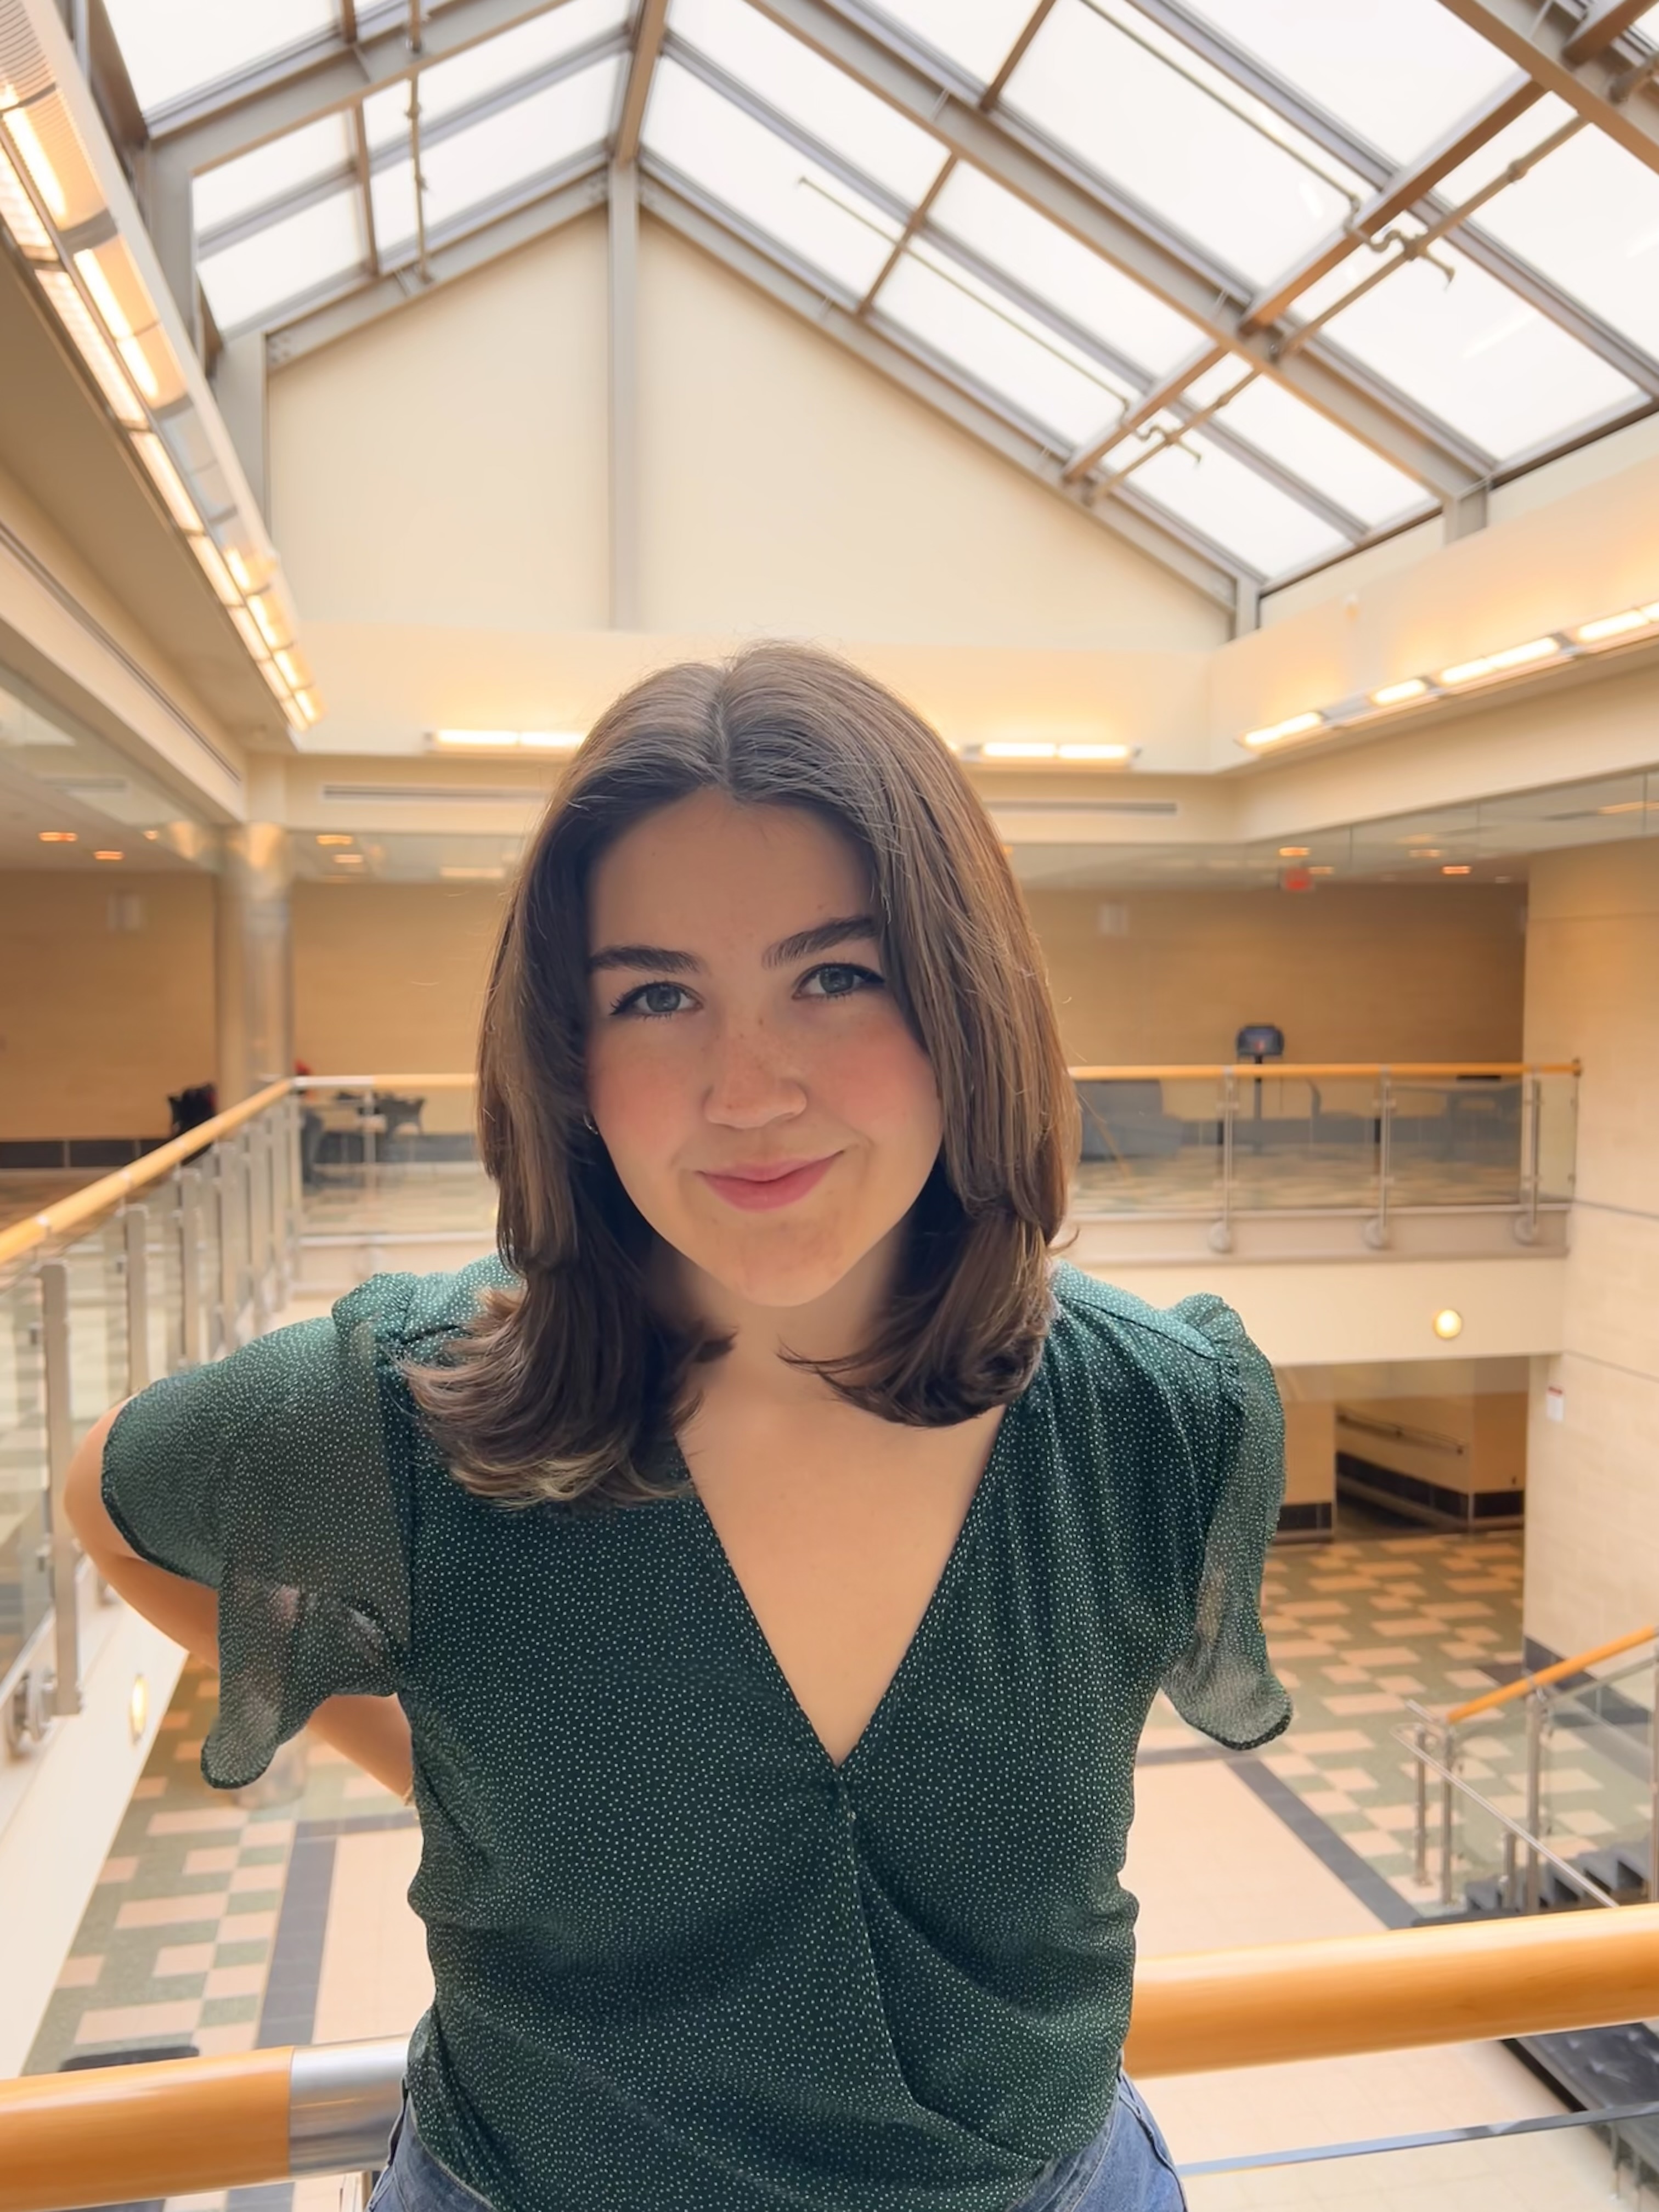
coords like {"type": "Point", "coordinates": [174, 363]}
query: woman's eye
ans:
{"type": "Point", "coordinates": [839, 979]}
{"type": "Point", "coordinates": [652, 998]}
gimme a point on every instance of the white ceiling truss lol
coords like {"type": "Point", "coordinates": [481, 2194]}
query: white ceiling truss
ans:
{"type": "Point", "coordinates": [1255, 412]}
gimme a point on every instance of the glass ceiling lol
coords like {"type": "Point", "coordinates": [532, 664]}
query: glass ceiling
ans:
{"type": "Point", "coordinates": [1239, 139]}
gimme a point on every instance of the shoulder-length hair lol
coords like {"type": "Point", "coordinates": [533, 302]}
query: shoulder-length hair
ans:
{"type": "Point", "coordinates": [568, 1384]}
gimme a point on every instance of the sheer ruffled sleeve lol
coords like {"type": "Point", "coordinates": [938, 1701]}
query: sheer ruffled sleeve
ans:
{"type": "Point", "coordinates": [267, 1476]}
{"type": "Point", "coordinates": [1224, 1682]}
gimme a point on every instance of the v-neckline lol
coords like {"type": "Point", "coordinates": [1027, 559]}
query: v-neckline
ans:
{"type": "Point", "coordinates": [991, 1475]}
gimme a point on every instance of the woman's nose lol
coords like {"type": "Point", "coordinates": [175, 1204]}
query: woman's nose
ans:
{"type": "Point", "coordinates": [750, 1080]}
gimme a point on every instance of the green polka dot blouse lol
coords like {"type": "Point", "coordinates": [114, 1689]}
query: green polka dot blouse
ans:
{"type": "Point", "coordinates": [683, 1962]}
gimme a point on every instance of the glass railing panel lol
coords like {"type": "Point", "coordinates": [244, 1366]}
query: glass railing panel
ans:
{"type": "Point", "coordinates": [25, 1566]}
{"type": "Point", "coordinates": [1457, 1141]}
{"type": "Point", "coordinates": [1558, 1137]}
{"type": "Point", "coordinates": [1568, 2162]}
{"type": "Point", "coordinates": [164, 1305]}
{"type": "Point", "coordinates": [1595, 1780]}
{"type": "Point", "coordinates": [1305, 1144]}
{"type": "Point", "coordinates": [1151, 1145]}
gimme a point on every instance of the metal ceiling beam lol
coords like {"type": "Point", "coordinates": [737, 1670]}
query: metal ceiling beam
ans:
{"type": "Point", "coordinates": [1617, 97]}
{"type": "Point", "coordinates": [914, 223]}
{"type": "Point", "coordinates": [1396, 198]}
{"type": "Point", "coordinates": [647, 44]}
{"type": "Point", "coordinates": [1600, 24]}
{"type": "Point", "coordinates": [1040, 174]}
{"type": "Point", "coordinates": [1207, 567]}
{"type": "Point", "coordinates": [228, 119]}
{"type": "Point", "coordinates": [306, 333]}
{"type": "Point", "coordinates": [1366, 161]}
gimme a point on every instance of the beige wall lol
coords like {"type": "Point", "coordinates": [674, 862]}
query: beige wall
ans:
{"type": "Point", "coordinates": [1593, 992]}
{"type": "Point", "coordinates": [390, 978]}
{"type": "Point", "coordinates": [1384, 973]}
{"type": "Point", "coordinates": [98, 1024]}
{"type": "Point", "coordinates": [1455, 1442]}
{"type": "Point", "coordinates": [448, 466]}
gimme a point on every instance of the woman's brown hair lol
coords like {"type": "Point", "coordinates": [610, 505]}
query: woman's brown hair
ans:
{"type": "Point", "coordinates": [567, 1384]}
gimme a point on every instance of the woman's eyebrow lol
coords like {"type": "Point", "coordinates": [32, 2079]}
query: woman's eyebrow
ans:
{"type": "Point", "coordinates": [846, 930]}
{"type": "Point", "coordinates": [824, 937]}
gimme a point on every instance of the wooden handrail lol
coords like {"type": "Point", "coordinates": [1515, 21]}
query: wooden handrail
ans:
{"type": "Point", "coordinates": [111, 2135]}
{"type": "Point", "coordinates": [1326, 1071]}
{"type": "Point", "coordinates": [114, 2134]}
{"type": "Point", "coordinates": [1473, 1981]}
{"type": "Point", "coordinates": [1525, 1683]}
{"type": "Point", "coordinates": [109, 1190]}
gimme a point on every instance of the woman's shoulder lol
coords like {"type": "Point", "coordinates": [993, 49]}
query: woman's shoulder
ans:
{"type": "Point", "coordinates": [1098, 1319]}
{"type": "Point", "coordinates": [394, 1316]}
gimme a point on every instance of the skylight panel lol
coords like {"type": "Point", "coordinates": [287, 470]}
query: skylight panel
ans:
{"type": "Point", "coordinates": [1477, 355]}
{"type": "Point", "coordinates": [1235, 508]}
{"type": "Point", "coordinates": [760, 177]}
{"type": "Point", "coordinates": [1541, 120]}
{"type": "Point", "coordinates": [1398, 73]}
{"type": "Point", "coordinates": [1014, 238]}
{"type": "Point", "coordinates": [514, 145]}
{"type": "Point", "coordinates": [385, 115]}
{"type": "Point", "coordinates": [811, 92]}
{"type": "Point", "coordinates": [284, 261]}
{"type": "Point", "coordinates": [997, 349]}
{"type": "Point", "coordinates": [977, 36]}
{"type": "Point", "coordinates": [1588, 217]}
{"type": "Point", "coordinates": [270, 172]}
{"type": "Point", "coordinates": [503, 60]}
{"type": "Point", "coordinates": [1207, 162]}
{"type": "Point", "coordinates": [1288, 431]}
{"type": "Point", "coordinates": [391, 195]}
{"type": "Point", "coordinates": [172, 47]}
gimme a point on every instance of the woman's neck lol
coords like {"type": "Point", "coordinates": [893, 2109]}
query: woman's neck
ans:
{"type": "Point", "coordinates": [825, 1328]}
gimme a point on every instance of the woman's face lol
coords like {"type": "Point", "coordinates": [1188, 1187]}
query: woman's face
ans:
{"type": "Point", "coordinates": [760, 1097]}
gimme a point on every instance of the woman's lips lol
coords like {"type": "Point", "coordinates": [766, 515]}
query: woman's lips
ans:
{"type": "Point", "coordinates": [757, 1190]}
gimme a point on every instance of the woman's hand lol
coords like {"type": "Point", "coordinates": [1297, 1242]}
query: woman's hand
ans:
{"type": "Point", "coordinates": [372, 1732]}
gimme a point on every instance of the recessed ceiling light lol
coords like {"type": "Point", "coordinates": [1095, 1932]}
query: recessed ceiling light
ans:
{"type": "Point", "coordinates": [58, 837]}
{"type": "Point", "coordinates": [109, 856]}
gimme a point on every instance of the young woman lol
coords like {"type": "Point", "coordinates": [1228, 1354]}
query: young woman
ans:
{"type": "Point", "coordinates": [772, 1558]}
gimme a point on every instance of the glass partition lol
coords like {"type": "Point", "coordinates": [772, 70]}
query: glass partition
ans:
{"type": "Point", "coordinates": [25, 1550]}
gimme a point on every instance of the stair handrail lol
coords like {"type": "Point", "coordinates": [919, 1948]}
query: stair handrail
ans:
{"type": "Point", "coordinates": [117, 2133]}
{"type": "Point", "coordinates": [1523, 1684]}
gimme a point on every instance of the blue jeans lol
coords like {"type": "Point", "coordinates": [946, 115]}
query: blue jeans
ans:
{"type": "Point", "coordinates": [1127, 2168]}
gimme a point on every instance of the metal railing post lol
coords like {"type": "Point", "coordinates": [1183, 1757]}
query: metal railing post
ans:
{"type": "Point", "coordinates": [193, 1319]}
{"type": "Point", "coordinates": [262, 1239]}
{"type": "Point", "coordinates": [1506, 1894]}
{"type": "Point", "coordinates": [60, 1449]}
{"type": "Point", "coordinates": [1377, 1230]}
{"type": "Point", "coordinates": [135, 1226]}
{"type": "Point", "coordinates": [1653, 1787]}
{"type": "Point", "coordinates": [1448, 1814]}
{"type": "Point", "coordinates": [293, 1185]}
{"type": "Point", "coordinates": [225, 1191]}
{"type": "Point", "coordinates": [1221, 1229]}
{"type": "Point", "coordinates": [1535, 1794]}
{"type": "Point", "coordinates": [1532, 1169]}
{"type": "Point", "coordinates": [1421, 1863]}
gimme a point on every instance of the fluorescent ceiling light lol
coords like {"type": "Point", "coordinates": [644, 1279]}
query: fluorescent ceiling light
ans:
{"type": "Point", "coordinates": [472, 875]}
{"type": "Point", "coordinates": [250, 634]}
{"type": "Point", "coordinates": [277, 686]}
{"type": "Point", "coordinates": [1295, 725]}
{"type": "Point", "coordinates": [24, 136]}
{"type": "Point", "coordinates": [17, 211]}
{"type": "Point", "coordinates": [1399, 694]}
{"type": "Point", "coordinates": [291, 671]}
{"type": "Point", "coordinates": [94, 349]}
{"type": "Point", "coordinates": [269, 629]}
{"type": "Point", "coordinates": [1017, 749]}
{"type": "Point", "coordinates": [217, 574]}
{"type": "Point", "coordinates": [1497, 664]}
{"type": "Point", "coordinates": [546, 741]}
{"type": "Point", "coordinates": [167, 481]}
{"type": "Point", "coordinates": [1102, 752]}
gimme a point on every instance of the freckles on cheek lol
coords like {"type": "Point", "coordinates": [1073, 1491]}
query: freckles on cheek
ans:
{"type": "Point", "coordinates": [882, 1084]}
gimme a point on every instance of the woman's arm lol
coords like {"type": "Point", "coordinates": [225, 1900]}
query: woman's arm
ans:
{"type": "Point", "coordinates": [372, 1732]}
